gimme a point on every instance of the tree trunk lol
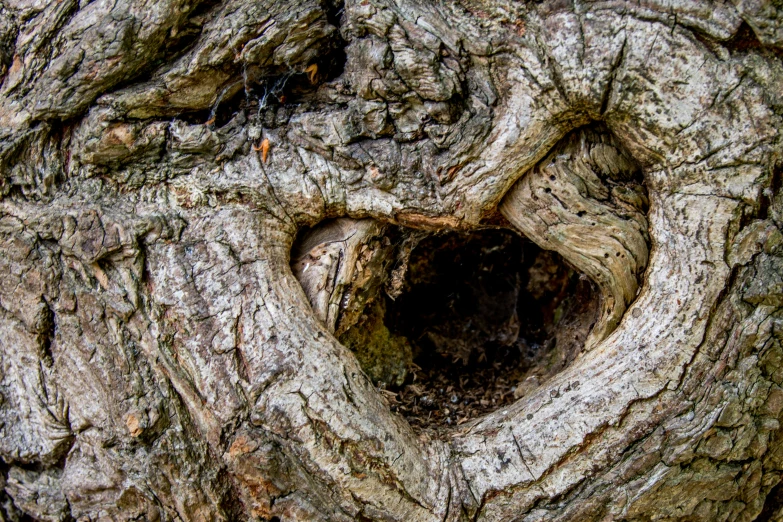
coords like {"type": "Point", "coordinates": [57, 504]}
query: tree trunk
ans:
{"type": "Point", "coordinates": [160, 359]}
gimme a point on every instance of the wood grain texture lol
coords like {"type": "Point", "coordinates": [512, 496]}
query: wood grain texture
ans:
{"type": "Point", "coordinates": [159, 360]}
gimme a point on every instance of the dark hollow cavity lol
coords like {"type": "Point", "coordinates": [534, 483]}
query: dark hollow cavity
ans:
{"type": "Point", "coordinates": [484, 318]}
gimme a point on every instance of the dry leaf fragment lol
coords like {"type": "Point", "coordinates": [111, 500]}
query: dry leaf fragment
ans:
{"type": "Point", "coordinates": [312, 71]}
{"type": "Point", "coordinates": [264, 148]}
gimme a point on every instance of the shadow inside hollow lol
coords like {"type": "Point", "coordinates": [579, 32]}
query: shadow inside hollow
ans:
{"type": "Point", "coordinates": [489, 316]}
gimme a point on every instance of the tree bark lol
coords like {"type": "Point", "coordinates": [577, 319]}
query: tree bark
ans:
{"type": "Point", "coordinates": [160, 360]}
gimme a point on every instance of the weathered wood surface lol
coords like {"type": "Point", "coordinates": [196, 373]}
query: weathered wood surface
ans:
{"type": "Point", "coordinates": [160, 360]}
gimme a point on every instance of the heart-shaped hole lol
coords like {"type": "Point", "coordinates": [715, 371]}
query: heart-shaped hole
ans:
{"type": "Point", "coordinates": [450, 326]}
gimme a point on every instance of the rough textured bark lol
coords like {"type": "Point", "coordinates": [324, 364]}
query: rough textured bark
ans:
{"type": "Point", "coordinates": [159, 360]}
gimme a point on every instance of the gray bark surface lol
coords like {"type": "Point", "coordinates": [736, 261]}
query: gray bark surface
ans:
{"type": "Point", "coordinates": [160, 360]}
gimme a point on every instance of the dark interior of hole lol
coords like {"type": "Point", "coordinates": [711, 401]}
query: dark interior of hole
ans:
{"type": "Point", "coordinates": [488, 315]}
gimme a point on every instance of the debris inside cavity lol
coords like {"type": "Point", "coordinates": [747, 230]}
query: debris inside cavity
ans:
{"type": "Point", "coordinates": [477, 321]}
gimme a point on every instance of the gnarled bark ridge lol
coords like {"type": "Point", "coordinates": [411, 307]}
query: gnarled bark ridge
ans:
{"type": "Point", "coordinates": [159, 360]}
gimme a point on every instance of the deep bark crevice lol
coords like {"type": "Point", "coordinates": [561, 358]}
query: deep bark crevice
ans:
{"type": "Point", "coordinates": [772, 504]}
{"type": "Point", "coordinates": [744, 40]}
